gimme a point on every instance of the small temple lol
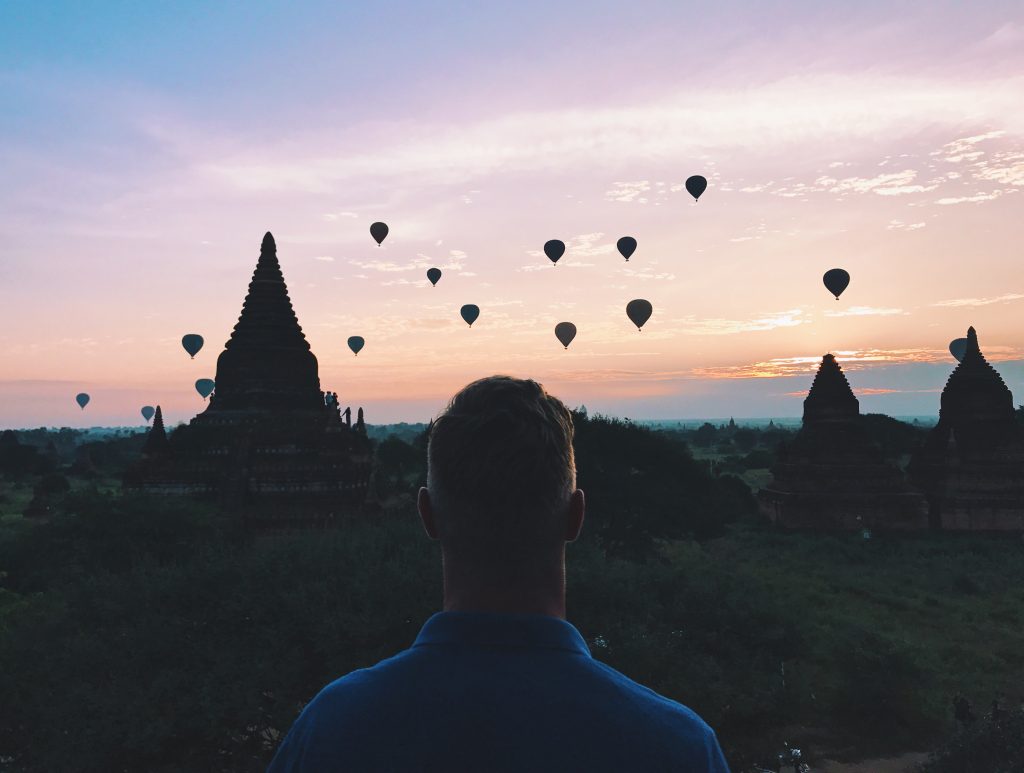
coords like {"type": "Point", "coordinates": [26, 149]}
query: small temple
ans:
{"type": "Point", "coordinates": [971, 466]}
{"type": "Point", "coordinates": [831, 477]}
{"type": "Point", "coordinates": [270, 446]}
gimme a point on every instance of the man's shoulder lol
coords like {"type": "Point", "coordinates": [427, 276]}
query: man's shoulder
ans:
{"type": "Point", "coordinates": [646, 700]}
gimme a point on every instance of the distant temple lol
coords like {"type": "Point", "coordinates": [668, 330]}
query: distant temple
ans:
{"type": "Point", "coordinates": [271, 445]}
{"type": "Point", "coordinates": [831, 477]}
{"type": "Point", "coordinates": [971, 467]}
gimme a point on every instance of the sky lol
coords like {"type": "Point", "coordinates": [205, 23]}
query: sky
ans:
{"type": "Point", "coordinates": [146, 148]}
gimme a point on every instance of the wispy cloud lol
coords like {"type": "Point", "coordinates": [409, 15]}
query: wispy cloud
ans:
{"type": "Point", "coordinates": [628, 191]}
{"type": "Point", "coordinates": [687, 124]}
{"type": "Point", "coordinates": [865, 311]}
{"type": "Point", "coordinates": [324, 258]}
{"type": "Point", "coordinates": [975, 199]}
{"type": "Point", "coordinates": [958, 302]}
{"type": "Point", "coordinates": [790, 318]}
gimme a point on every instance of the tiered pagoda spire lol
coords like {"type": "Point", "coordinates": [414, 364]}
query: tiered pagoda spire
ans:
{"type": "Point", "coordinates": [267, 364]}
{"type": "Point", "coordinates": [156, 440]}
{"type": "Point", "coordinates": [976, 395]}
{"type": "Point", "coordinates": [830, 398]}
{"type": "Point", "coordinates": [972, 465]}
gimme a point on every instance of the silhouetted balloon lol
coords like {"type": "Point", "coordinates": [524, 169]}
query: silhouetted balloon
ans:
{"type": "Point", "coordinates": [379, 231]}
{"type": "Point", "coordinates": [627, 246]}
{"type": "Point", "coordinates": [82, 399]}
{"type": "Point", "coordinates": [355, 343]}
{"type": "Point", "coordinates": [565, 332]}
{"type": "Point", "coordinates": [470, 312]}
{"type": "Point", "coordinates": [696, 185]}
{"type": "Point", "coordinates": [204, 387]}
{"type": "Point", "coordinates": [836, 280]}
{"type": "Point", "coordinates": [192, 343]}
{"type": "Point", "coordinates": [958, 348]}
{"type": "Point", "coordinates": [554, 249]}
{"type": "Point", "coordinates": [433, 274]}
{"type": "Point", "coordinates": [148, 411]}
{"type": "Point", "coordinates": [639, 311]}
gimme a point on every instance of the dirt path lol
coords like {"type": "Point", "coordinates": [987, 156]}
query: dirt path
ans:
{"type": "Point", "coordinates": [905, 763]}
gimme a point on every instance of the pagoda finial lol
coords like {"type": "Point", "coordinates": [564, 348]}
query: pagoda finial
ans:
{"type": "Point", "coordinates": [972, 341]}
{"type": "Point", "coordinates": [268, 243]}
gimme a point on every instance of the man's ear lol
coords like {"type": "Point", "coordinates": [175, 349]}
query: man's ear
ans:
{"type": "Point", "coordinates": [577, 506]}
{"type": "Point", "coordinates": [426, 510]}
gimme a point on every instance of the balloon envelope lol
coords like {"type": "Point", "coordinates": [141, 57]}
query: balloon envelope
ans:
{"type": "Point", "coordinates": [379, 231]}
{"type": "Point", "coordinates": [554, 249]}
{"type": "Point", "coordinates": [148, 411]}
{"type": "Point", "coordinates": [192, 343]}
{"type": "Point", "coordinates": [204, 387]}
{"type": "Point", "coordinates": [696, 185]}
{"type": "Point", "coordinates": [82, 399]}
{"type": "Point", "coordinates": [433, 274]}
{"type": "Point", "coordinates": [639, 311]}
{"type": "Point", "coordinates": [470, 312]}
{"type": "Point", "coordinates": [958, 348]}
{"type": "Point", "coordinates": [565, 332]}
{"type": "Point", "coordinates": [836, 280]}
{"type": "Point", "coordinates": [355, 343]}
{"type": "Point", "coordinates": [627, 246]}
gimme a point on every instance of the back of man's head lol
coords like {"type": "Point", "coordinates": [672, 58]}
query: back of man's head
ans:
{"type": "Point", "coordinates": [501, 472]}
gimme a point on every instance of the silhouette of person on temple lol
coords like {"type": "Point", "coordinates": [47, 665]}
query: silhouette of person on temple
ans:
{"type": "Point", "coordinates": [498, 680]}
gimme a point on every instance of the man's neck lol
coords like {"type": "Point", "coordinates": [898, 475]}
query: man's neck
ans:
{"type": "Point", "coordinates": [539, 596]}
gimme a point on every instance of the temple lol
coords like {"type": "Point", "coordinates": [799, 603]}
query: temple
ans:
{"type": "Point", "coordinates": [971, 467]}
{"type": "Point", "coordinates": [831, 477]}
{"type": "Point", "coordinates": [270, 446]}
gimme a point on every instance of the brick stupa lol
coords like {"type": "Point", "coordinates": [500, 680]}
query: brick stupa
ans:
{"type": "Point", "coordinates": [270, 446]}
{"type": "Point", "coordinates": [972, 465]}
{"type": "Point", "coordinates": [831, 477]}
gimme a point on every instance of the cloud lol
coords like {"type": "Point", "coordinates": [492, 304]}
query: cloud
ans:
{"type": "Point", "coordinates": [959, 302]}
{"type": "Point", "coordinates": [1006, 168]}
{"type": "Point", "coordinates": [893, 184]}
{"type": "Point", "coordinates": [324, 258]}
{"type": "Point", "coordinates": [778, 319]}
{"type": "Point", "coordinates": [628, 191]}
{"type": "Point", "coordinates": [976, 198]}
{"type": "Point", "coordinates": [789, 113]}
{"type": "Point", "coordinates": [333, 216]}
{"type": "Point", "coordinates": [865, 311]}
{"type": "Point", "coordinates": [646, 273]}
{"type": "Point", "coordinates": [899, 225]}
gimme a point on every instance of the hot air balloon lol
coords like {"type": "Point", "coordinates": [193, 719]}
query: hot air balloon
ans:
{"type": "Point", "coordinates": [958, 348]}
{"type": "Point", "coordinates": [82, 399]}
{"type": "Point", "coordinates": [433, 274]}
{"type": "Point", "coordinates": [355, 343]}
{"type": "Point", "coordinates": [639, 311]}
{"type": "Point", "coordinates": [148, 411]}
{"type": "Point", "coordinates": [554, 249]}
{"type": "Point", "coordinates": [836, 280]}
{"type": "Point", "coordinates": [627, 246]}
{"type": "Point", "coordinates": [470, 312]}
{"type": "Point", "coordinates": [204, 387]}
{"type": "Point", "coordinates": [192, 343]}
{"type": "Point", "coordinates": [379, 231]}
{"type": "Point", "coordinates": [565, 332]}
{"type": "Point", "coordinates": [696, 185]}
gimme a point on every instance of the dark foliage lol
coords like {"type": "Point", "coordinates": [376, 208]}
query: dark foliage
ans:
{"type": "Point", "coordinates": [642, 486]}
{"type": "Point", "coordinates": [993, 744]}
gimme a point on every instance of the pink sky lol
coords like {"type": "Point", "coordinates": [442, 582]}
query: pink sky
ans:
{"type": "Point", "coordinates": [135, 200]}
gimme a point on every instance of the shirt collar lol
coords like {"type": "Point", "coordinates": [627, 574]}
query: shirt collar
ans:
{"type": "Point", "coordinates": [484, 629]}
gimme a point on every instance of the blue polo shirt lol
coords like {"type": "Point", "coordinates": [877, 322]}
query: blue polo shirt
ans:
{"type": "Point", "coordinates": [483, 691]}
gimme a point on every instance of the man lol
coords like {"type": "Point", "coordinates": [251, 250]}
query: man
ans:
{"type": "Point", "coordinates": [498, 681]}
